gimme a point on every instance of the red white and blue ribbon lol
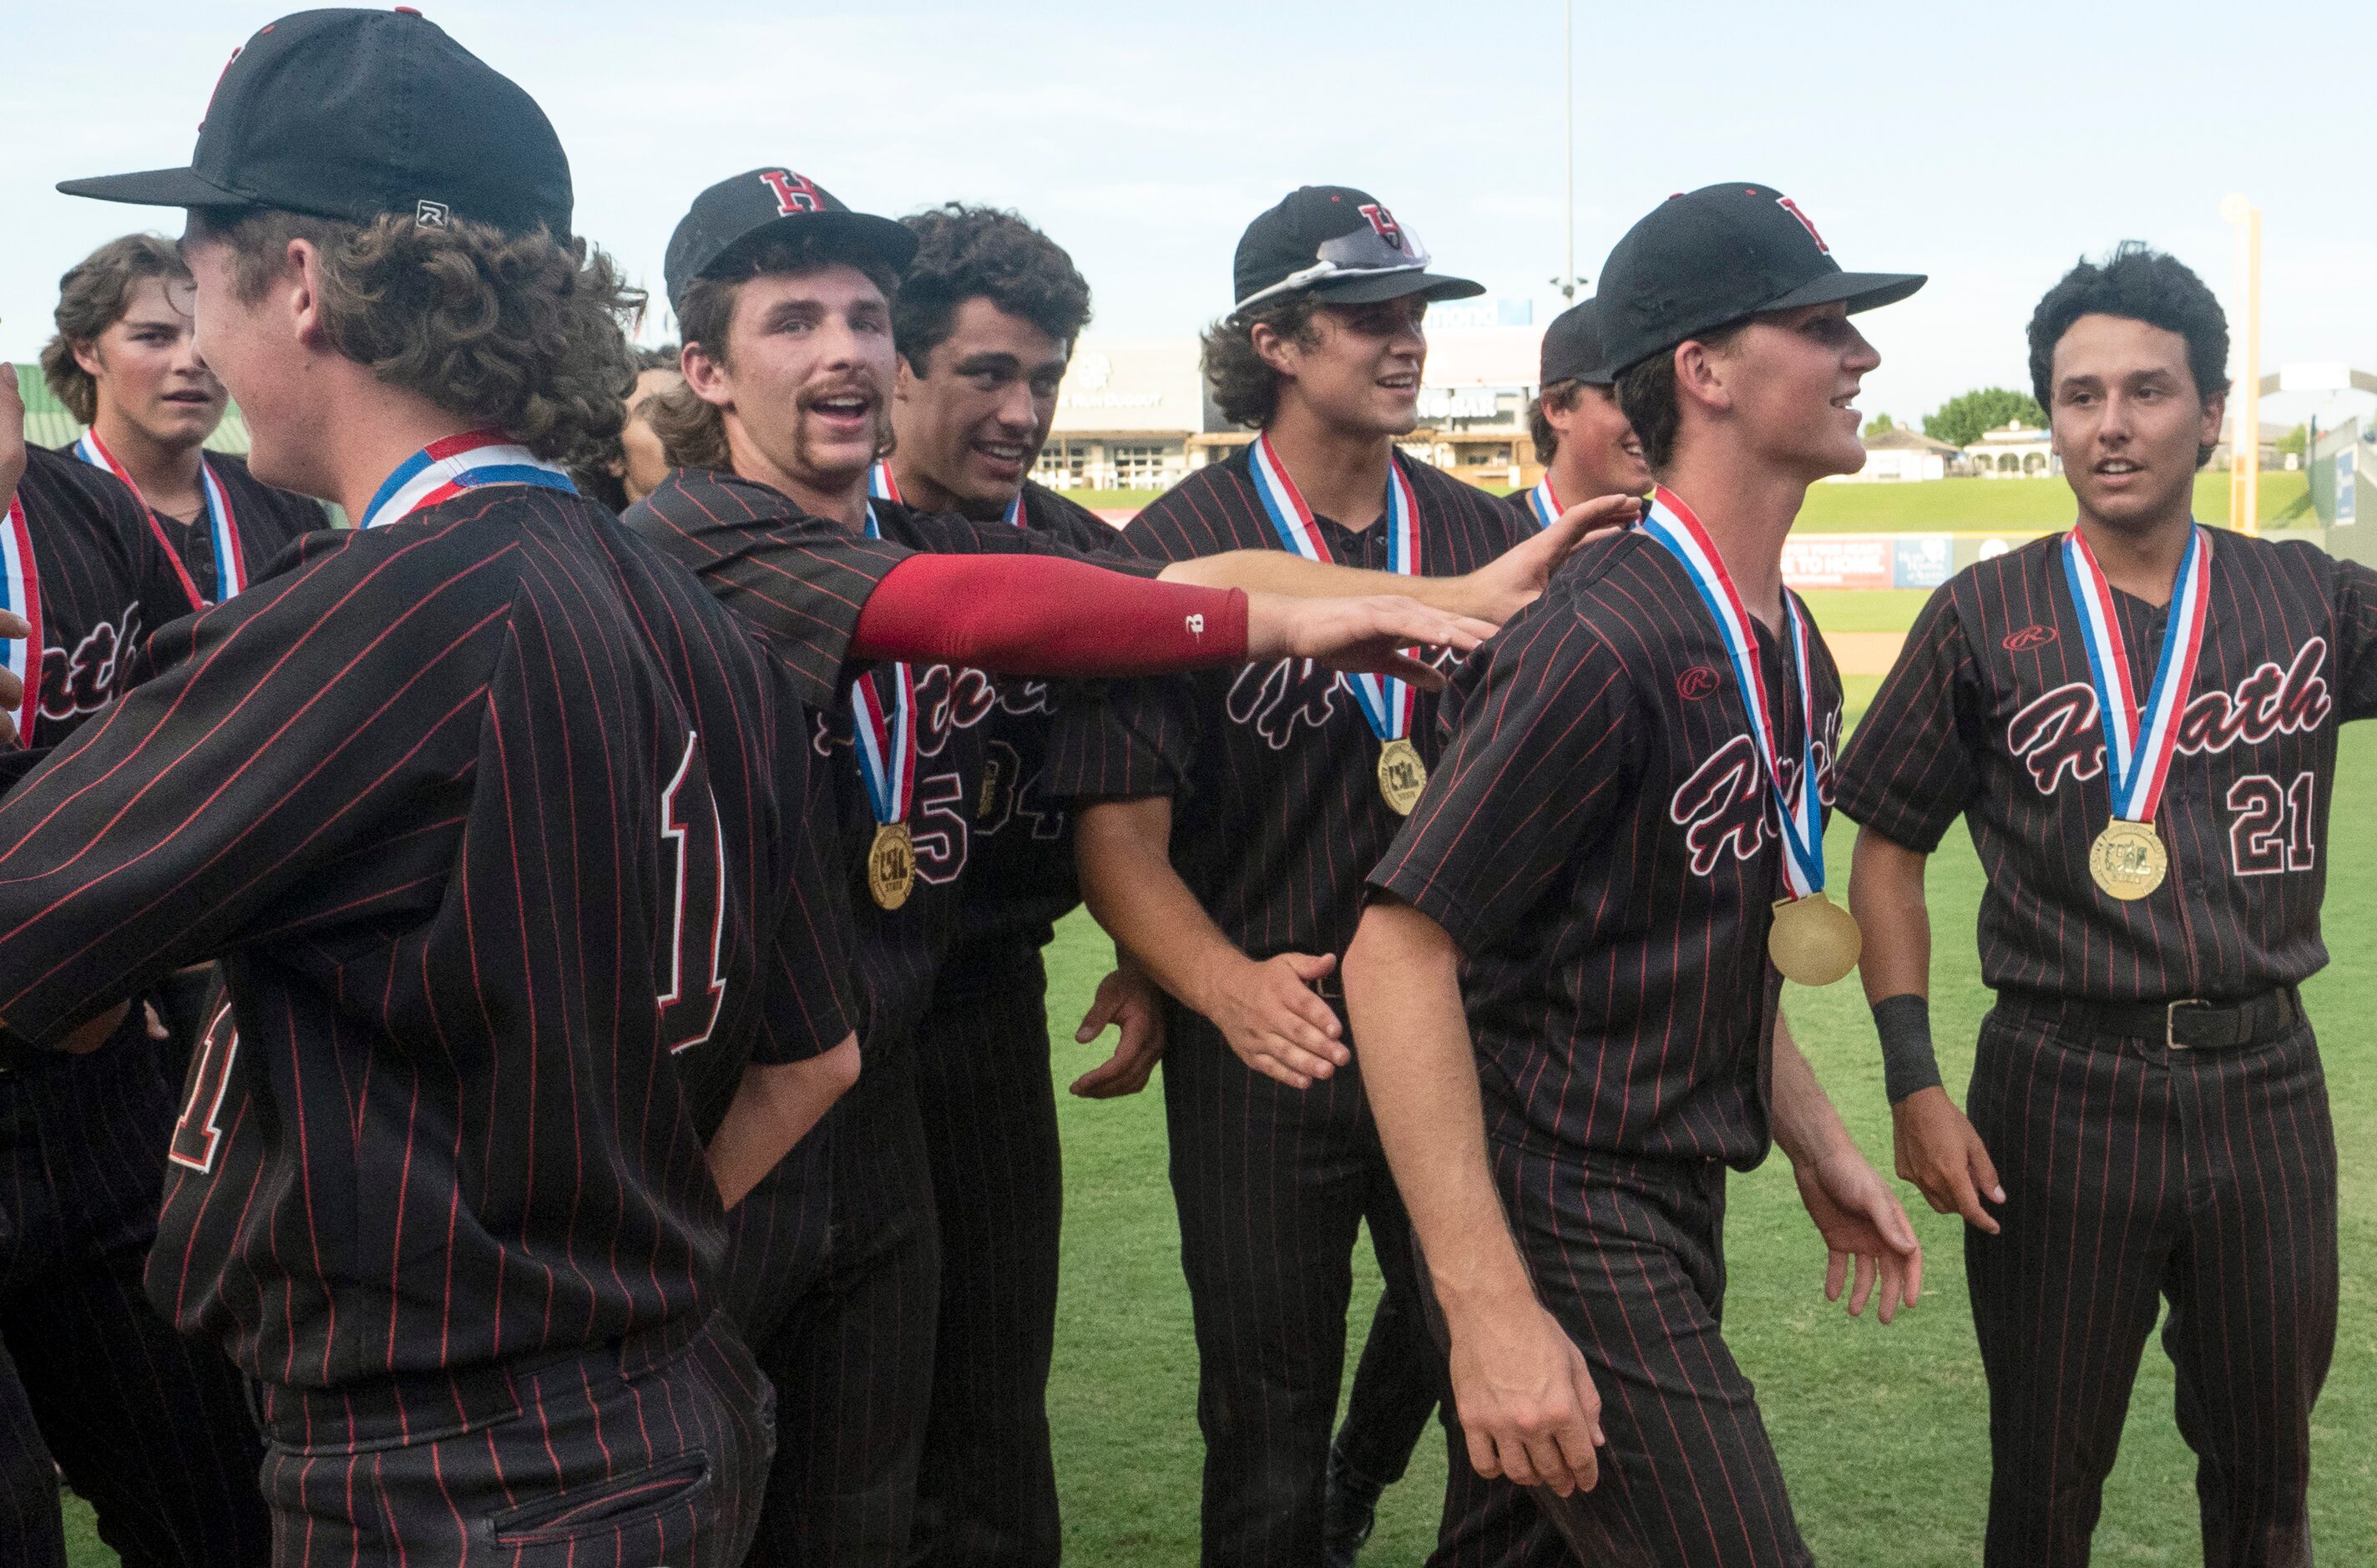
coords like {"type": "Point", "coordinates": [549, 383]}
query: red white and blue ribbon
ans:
{"type": "Point", "coordinates": [444, 469]}
{"type": "Point", "coordinates": [881, 487]}
{"type": "Point", "coordinates": [1545, 502]}
{"type": "Point", "coordinates": [886, 742]}
{"type": "Point", "coordinates": [222, 529]}
{"type": "Point", "coordinates": [1386, 703]}
{"type": "Point", "coordinates": [1671, 522]}
{"type": "Point", "coordinates": [20, 590]}
{"type": "Point", "coordinates": [2140, 739]}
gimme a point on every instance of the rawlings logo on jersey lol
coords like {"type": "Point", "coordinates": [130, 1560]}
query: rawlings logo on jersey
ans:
{"type": "Point", "coordinates": [2057, 735]}
{"type": "Point", "coordinates": [2028, 640]}
{"type": "Point", "coordinates": [89, 678]}
{"type": "Point", "coordinates": [1726, 802]}
{"type": "Point", "coordinates": [1697, 682]}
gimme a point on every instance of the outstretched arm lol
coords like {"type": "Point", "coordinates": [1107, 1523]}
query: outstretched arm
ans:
{"type": "Point", "coordinates": [1936, 1146]}
{"type": "Point", "coordinates": [1494, 592]}
{"type": "Point", "coordinates": [1525, 1398]}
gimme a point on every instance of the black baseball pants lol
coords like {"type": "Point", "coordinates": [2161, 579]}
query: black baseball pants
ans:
{"type": "Point", "coordinates": [986, 1491]}
{"type": "Point", "coordinates": [1397, 1387]}
{"type": "Point", "coordinates": [1628, 1254]}
{"type": "Point", "coordinates": [1273, 1185]}
{"type": "Point", "coordinates": [648, 1453]}
{"type": "Point", "coordinates": [852, 1352]}
{"type": "Point", "coordinates": [151, 1428]}
{"type": "Point", "coordinates": [2136, 1175]}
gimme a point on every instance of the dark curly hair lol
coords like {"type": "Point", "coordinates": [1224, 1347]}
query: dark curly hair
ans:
{"type": "Point", "coordinates": [1246, 389]}
{"type": "Point", "coordinates": [525, 332]}
{"type": "Point", "coordinates": [966, 253]}
{"type": "Point", "coordinates": [1646, 395]}
{"type": "Point", "coordinates": [693, 433]}
{"type": "Point", "coordinates": [593, 474]}
{"type": "Point", "coordinates": [94, 296]}
{"type": "Point", "coordinates": [1559, 397]}
{"type": "Point", "coordinates": [2142, 284]}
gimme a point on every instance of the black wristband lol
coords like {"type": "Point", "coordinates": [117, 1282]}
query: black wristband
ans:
{"type": "Point", "coordinates": [1907, 1065]}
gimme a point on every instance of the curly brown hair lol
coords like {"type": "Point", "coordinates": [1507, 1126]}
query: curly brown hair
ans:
{"type": "Point", "coordinates": [1246, 389]}
{"type": "Point", "coordinates": [984, 253]}
{"type": "Point", "coordinates": [693, 433]}
{"type": "Point", "coordinates": [94, 296]}
{"type": "Point", "coordinates": [524, 333]}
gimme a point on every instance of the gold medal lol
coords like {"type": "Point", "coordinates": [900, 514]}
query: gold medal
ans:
{"type": "Point", "coordinates": [891, 865]}
{"type": "Point", "coordinates": [1402, 775]}
{"type": "Point", "coordinates": [1813, 940]}
{"type": "Point", "coordinates": [2128, 860]}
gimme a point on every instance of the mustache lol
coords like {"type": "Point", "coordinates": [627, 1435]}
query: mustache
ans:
{"type": "Point", "coordinates": [841, 386]}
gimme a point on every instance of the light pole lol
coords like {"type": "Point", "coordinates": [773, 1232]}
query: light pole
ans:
{"type": "Point", "coordinates": [2245, 400]}
{"type": "Point", "coordinates": [1567, 144]}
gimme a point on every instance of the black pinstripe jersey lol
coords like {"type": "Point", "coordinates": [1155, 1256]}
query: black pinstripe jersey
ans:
{"type": "Point", "coordinates": [1990, 713]}
{"type": "Point", "coordinates": [1602, 842]}
{"type": "Point", "coordinates": [105, 583]}
{"type": "Point", "coordinates": [493, 819]}
{"type": "Point", "coordinates": [802, 580]}
{"type": "Point", "coordinates": [1022, 881]}
{"type": "Point", "coordinates": [1273, 768]}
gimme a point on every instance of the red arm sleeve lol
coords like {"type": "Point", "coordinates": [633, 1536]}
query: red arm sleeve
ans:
{"type": "Point", "coordinates": [1043, 616]}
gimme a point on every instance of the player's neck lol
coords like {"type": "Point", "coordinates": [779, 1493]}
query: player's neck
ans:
{"type": "Point", "coordinates": [362, 442]}
{"type": "Point", "coordinates": [1748, 509]}
{"type": "Point", "coordinates": [1340, 474]}
{"type": "Point", "coordinates": [920, 491]}
{"type": "Point", "coordinates": [2142, 561]}
{"type": "Point", "coordinates": [168, 477]}
{"type": "Point", "coordinates": [1572, 478]}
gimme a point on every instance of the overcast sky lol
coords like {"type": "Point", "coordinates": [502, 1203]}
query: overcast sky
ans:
{"type": "Point", "coordinates": [1987, 145]}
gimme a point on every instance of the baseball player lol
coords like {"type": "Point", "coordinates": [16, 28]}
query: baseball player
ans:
{"type": "Point", "coordinates": [125, 364]}
{"type": "Point", "coordinates": [495, 824]}
{"type": "Point", "coordinates": [984, 321]}
{"type": "Point", "coordinates": [890, 614]}
{"type": "Point", "coordinates": [1581, 436]}
{"type": "Point", "coordinates": [2137, 720]}
{"type": "Point", "coordinates": [151, 1428]}
{"type": "Point", "coordinates": [1588, 450]}
{"type": "Point", "coordinates": [1234, 816]}
{"type": "Point", "coordinates": [1567, 984]}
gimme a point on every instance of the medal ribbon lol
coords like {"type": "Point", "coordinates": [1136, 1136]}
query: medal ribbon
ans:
{"type": "Point", "coordinates": [1545, 502]}
{"type": "Point", "coordinates": [881, 487]}
{"type": "Point", "coordinates": [1671, 522]}
{"type": "Point", "coordinates": [20, 590]}
{"type": "Point", "coordinates": [222, 529]}
{"type": "Point", "coordinates": [445, 468]}
{"type": "Point", "coordinates": [2139, 741]}
{"type": "Point", "coordinates": [1386, 703]}
{"type": "Point", "coordinates": [887, 743]}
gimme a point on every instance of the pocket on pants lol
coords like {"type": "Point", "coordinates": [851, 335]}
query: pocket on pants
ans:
{"type": "Point", "coordinates": [618, 1504]}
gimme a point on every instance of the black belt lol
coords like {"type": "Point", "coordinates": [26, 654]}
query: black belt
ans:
{"type": "Point", "coordinates": [2189, 1024]}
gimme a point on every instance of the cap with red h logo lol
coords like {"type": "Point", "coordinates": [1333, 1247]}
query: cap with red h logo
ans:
{"type": "Point", "coordinates": [731, 218]}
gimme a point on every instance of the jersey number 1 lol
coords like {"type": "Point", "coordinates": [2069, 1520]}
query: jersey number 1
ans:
{"type": "Point", "coordinates": [696, 844]}
{"type": "Point", "coordinates": [198, 1132]}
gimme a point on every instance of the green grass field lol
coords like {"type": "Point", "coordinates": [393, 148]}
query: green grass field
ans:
{"type": "Point", "coordinates": [1882, 1431]}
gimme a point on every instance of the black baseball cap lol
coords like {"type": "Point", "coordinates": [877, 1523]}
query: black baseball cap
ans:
{"type": "Point", "coordinates": [1572, 350]}
{"type": "Point", "coordinates": [1716, 255]}
{"type": "Point", "coordinates": [738, 214]}
{"type": "Point", "coordinates": [1340, 243]}
{"type": "Point", "coordinates": [353, 115]}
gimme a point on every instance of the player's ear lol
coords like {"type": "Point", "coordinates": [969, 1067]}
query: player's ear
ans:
{"type": "Point", "coordinates": [706, 374]}
{"type": "Point", "coordinates": [86, 354]}
{"type": "Point", "coordinates": [1701, 377]}
{"type": "Point", "coordinates": [302, 279]}
{"type": "Point", "coordinates": [2207, 433]}
{"type": "Point", "coordinates": [1274, 347]}
{"type": "Point", "coordinates": [904, 374]}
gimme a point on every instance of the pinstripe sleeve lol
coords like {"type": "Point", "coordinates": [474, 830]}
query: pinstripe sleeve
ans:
{"type": "Point", "coordinates": [1124, 739]}
{"type": "Point", "coordinates": [1542, 744]}
{"type": "Point", "coordinates": [2356, 639]}
{"type": "Point", "coordinates": [809, 1007]}
{"type": "Point", "coordinates": [335, 708]}
{"type": "Point", "coordinates": [1913, 764]}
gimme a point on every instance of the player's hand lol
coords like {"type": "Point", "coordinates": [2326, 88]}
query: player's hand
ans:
{"type": "Point", "coordinates": [1127, 1001]}
{"type": "Point", "coordinates": [1862, 1222]}
{"type": "Point", "coordinates": [1515, 579]}
{"type": "Point", "coordinates": [154, 1022]}
{"type": "Point", "coordinates": [14, 628]}
{"type": "Point", "coordinates": [1525, 1399]}
{"type": "Point", "coordinates": [12, 436]}
{"type": "Point", "coordinates": [1364, 636]}
{"type": "Point", "coordinates": [1270, 1016]}
{"type": "Point", "coordinates": [1939, 1152]}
